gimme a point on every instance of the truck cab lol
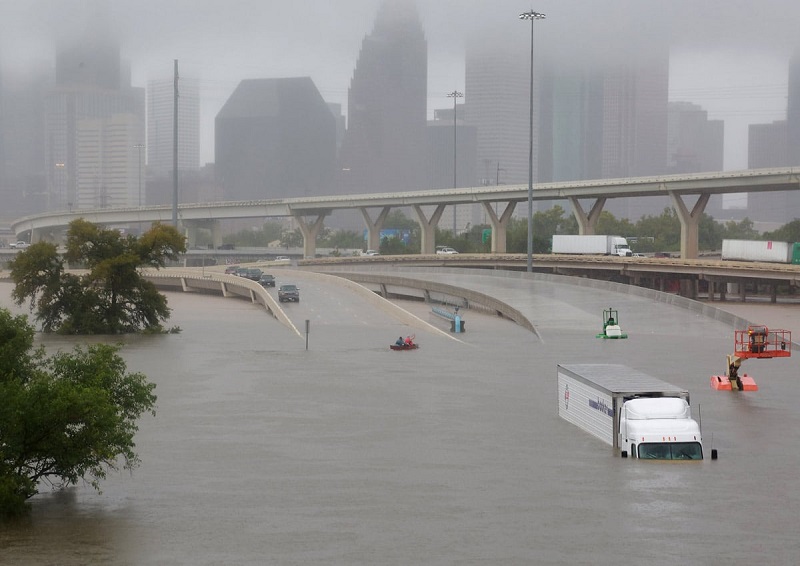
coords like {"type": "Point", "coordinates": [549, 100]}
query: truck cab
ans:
{"type": "Point", "coordinates": [659, 428]}
{"type": "Point", "coordinates": [620, 247]}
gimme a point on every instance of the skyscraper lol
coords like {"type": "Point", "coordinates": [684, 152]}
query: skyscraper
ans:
{"type": "Point", "coordinates": [496, 94]}
{"type": "Point", "coordinates": [75, 163]}
{"type": "Point", "coordinates": [160, 126]}
{"type": "Point", "coordinates": [275, 138]}
{"type": "Point", "coordinates": [23, 186]}
{"type": "Point", "coordinates": [88, 151]}
{"type": "Point", "coordinates": [768, 146]}
{"type": "Point", "coordinates": [793, 110]}
{"type": "Point", "coordinates": [776, 145]}
{"type": "Point", "coordinates": [694, 143]}
{"type": "Point", "coordinates": [383, 147]}
{"type": "Point", "coordinates": [571, 124]}
{"type": "Point", "coordinates": [635, 118]}
{"type": "Point", "coordinates": [605, 117]}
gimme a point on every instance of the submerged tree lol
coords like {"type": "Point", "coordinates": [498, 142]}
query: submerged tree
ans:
{"type": "Point", "coordinates": [64, 418]}
{"type": "Point", "coordinates": [111, 297]}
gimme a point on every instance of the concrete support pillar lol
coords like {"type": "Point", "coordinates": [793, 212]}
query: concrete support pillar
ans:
{"type": "Point", "coordinates": [587, 222]}
{"type": "Point", "coordinates": [374, 228]}
{"type": "Point", "coordinates": [37, 236]}
{"type": "Point", "coordinates": [216, 234]}
{"type": "Point", "coordinates": [191, 234]}
{"type": "Point", "coordinates": [309, 232]}
{"type": "Point", "coordinates": [427, 228]}
{"type": "Point", "coordinates": [773, 298]}
{"type": "Point", "coordinates": [688, 288]}
{"type": "Point", "coordinates": [690, 221]}
{"type": "Point", "coordinates": [742, 291]}
{"type": "Point", "coordinates": [499, 225]}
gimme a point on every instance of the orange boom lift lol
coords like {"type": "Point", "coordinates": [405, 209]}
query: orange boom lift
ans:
{"type": "Point", "coordinates": [757, 341]}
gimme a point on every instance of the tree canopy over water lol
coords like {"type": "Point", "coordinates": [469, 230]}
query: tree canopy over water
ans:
{"type": "Point", "coordinates": [111, 296]}
{"type": "Point", "coordinates": [64, 418]}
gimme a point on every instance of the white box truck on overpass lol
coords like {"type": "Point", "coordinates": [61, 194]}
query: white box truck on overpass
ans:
{"type": "Point", "coordinates": [640, 415]}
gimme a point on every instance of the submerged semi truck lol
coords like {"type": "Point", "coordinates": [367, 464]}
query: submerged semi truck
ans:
{"type": "Point", "coordinates": [591, 244]}
{"type": "Point", "coordinates": [635, 413]}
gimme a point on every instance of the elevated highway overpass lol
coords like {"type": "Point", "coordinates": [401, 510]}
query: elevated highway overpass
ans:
{"type": "Point", "coordinates": [688, 277]}
{"type": "Point", "coordinates": [586, 198]}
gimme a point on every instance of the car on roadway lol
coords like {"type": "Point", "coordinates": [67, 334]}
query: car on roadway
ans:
{"type": "Point", "coordinates": [253, 273]}
{"type": "Point", "coordinates": [20, 245]}
{"type": "Point", "coordinates": [370, 252]}
{"type": "Point", "coordinates": [231, 269]}
{"type": "Point", "coordinates": [283, 258]}
{"type": "Point", "coordinates": [288, 292]}
{"type": "Point", "coordinates": [266, 280]}
{"type": "Point", "coordinates": [638, 255]}
{"type": "Point", "coordinates": [241, 271]}
{"type": "Point", "coordinates": [446, 251]}
{"type": "Point", "coordinates": [227, 247]}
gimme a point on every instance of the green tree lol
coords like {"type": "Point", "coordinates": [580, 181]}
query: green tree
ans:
{"type": "Point", "coordinates": [608, 224]}
{"type": "Point", "coordinates": [517, 236]}
{"type": "Point", "coordinates": [111, 297]}
{"type": "Point", "coordinates": [64, 418]}
{"type": "Point", "coordinates": [787, 233]}
{"type": "Point", "coordinates": [665, 230]}
{"type": "Point", "coordinates": [292, 239]}
{"type": "Point", "coordinates": [393, 246]}
{"type": "Point", "coordinates": [398, 221]}
{"type": "Point", "coordinates": [710, 233]}
{"type": "Point", "coordinates": [743, 230]}
{"type": "Point", "coordinates": [345, 239]}
{"type": "Point", "coordinates": [256, 237]}
{"type": "Point", "coordinates": [473, 240]}
{"type": "Point", "coordinates": [546, 223]}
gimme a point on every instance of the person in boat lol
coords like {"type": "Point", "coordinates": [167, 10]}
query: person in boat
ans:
{"type": "Point", "coordinates": [409, 341]}
{"type": "Point", "coordinates": [399, 342]}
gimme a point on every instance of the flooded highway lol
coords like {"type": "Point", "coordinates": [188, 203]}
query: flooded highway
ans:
{"type": "Point", "coordinates": [263, 452]}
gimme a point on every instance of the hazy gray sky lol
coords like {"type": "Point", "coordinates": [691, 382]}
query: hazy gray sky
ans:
{"type": "Point", "coordinates": [730, 56]}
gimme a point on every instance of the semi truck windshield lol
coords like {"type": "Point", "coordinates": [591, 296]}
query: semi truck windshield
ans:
{"type": "Point", "coordinates": [671, 451]}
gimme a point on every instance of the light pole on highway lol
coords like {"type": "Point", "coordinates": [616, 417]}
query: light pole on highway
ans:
{"type": "Point", "coordinates": [455, 95]}
{"type": "Point", "coordinates": [140, 147]}
{"type": "Point", "coordinates": [532, 16]}
{"type": "Point", "coordinates": [497, 176]}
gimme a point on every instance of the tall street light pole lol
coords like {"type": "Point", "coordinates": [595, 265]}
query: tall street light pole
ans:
{"type": "Point", "coordinates": [532, 16]}
{"type": "Point", "coordinates": [140, 147]}
{"type": "Point", "coordinates": [455, 95]}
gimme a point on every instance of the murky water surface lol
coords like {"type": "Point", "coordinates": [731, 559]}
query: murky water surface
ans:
{"type": "Point", "coordinates": [263, 452]}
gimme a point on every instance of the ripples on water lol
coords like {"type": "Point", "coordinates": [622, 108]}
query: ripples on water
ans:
{"type": "Point", "coordinates": [264, 453]}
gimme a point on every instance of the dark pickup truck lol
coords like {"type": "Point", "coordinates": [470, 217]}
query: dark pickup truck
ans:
{"type": "Point", "coordinates": [288, 293]}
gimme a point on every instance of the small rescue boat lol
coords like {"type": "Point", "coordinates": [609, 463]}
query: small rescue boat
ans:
{"type": "Point", "coordinates": [404, 346]}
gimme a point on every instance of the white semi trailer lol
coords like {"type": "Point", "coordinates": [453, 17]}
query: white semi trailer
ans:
{"type": "Point", "coordinates": [757, 250]}
{"type": "Point", "coordinates": [633, 412]}
{"type": "Point", "coordinates": [591, 244]}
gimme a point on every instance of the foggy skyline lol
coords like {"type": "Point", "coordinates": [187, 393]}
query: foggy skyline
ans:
{"type": "Point", "coordinates": [724, 56]}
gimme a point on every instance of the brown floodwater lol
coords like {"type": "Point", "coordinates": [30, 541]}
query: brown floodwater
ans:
{"type": "Point", "coordinates": [265, 452]}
